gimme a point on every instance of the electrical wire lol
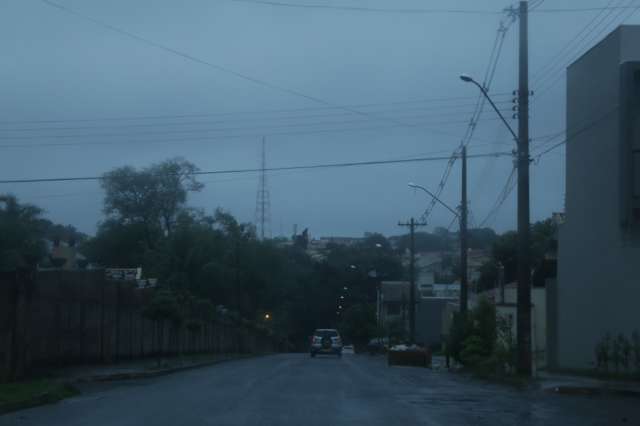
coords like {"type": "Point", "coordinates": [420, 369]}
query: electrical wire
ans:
{"type": "Point", "coordinates": [268, 169]}
{"type": "Point", "coordinates": [573, 134]}
{"type": "Point", "coordinates": [411, 11]}
{"type": "Point", "coordinates": [550, 80]}
{"type": "Point", "coordinates": [217, 67]}
{"type": "Point", "coordinates": [494, 57]}
{"type": "Point", "coordinates": [440, 103]}
{"type": "Point", "coordinates": [507, 189]}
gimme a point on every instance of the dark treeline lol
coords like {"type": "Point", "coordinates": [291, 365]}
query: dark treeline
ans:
{"type": "Point", "coordinates": [213, 258]}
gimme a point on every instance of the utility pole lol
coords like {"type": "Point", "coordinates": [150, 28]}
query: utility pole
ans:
{"type": "Point", "coordinates": [524, 267]}
{"type": "Point", "coordinates": [412, 224]}
{"type": "Point", "coordinates": [464, 281]}
{"type": "Point", "coordinates": [263, 202]}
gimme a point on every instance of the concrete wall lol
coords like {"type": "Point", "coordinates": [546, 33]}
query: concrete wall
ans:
{"type": "Point", "coordinates": [429, 319]}
{"type": "Point", "coordinates": [57, 318]}
{"type": "Point", "coordinates": [598, 270]}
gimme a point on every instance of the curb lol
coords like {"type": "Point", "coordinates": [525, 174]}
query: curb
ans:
{"type": "Point", "coordinates": [158, 373]}
{"type": "Point", "coordinates": [42, 399]}
{"type": "Point", "coordinates": [592, 391]}
{"type": "Point", "coordinates": [46, 398]}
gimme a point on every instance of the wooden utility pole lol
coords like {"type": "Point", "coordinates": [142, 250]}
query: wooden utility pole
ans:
{"type": "Point", "coordinates": [524, 262]}
{"type": "Point", "coordinates": [412, 224]}
{"type": "Point", "coordinates": [464, 281]}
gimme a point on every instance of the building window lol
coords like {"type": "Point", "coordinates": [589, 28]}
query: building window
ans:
{"type": "Point", "coordinates": [393, 308]}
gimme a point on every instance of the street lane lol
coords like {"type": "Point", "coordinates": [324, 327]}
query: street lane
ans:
{"type": "Point", "coordinates": [294, 389]}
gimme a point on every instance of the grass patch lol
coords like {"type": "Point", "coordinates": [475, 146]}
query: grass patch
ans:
{"type": "Point", "coordinates": [19, 395]}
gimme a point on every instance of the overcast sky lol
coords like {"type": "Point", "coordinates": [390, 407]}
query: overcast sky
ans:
{"type": "Point", "coordinates": [60, 66]}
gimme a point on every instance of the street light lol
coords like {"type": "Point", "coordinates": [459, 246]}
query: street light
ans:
{"type": "Point", "coordinates": [524, 220]}
{"type": "Point", "coordinates": [432, 195]}
{"type": "Point", "coordinates": [267, 316]}
{"type": "Point", "coordinates": [468, 79]}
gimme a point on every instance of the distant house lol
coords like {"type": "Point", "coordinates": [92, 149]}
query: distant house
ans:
{"type": "Point", "coordinates": [505, 300]}
{"type": "Point", "coordinates": [63, 254]}
{"type": "Point", "coordinates": [430, 311]}
{"type": "Point", "coordinates": [343, 241]}
{"type": "Point", "coordinates": [393, 303]}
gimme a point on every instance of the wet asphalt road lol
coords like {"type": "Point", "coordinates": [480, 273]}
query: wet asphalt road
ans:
{"type": "Point", "coordinates": [293, 389]}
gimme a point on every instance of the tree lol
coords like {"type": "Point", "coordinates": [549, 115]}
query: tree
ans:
{"type": "Point", "coordinates": [118, 245]}
{"type": "Point", "coordinates": [358, 323]}
{"type": "Point", "coordinates": [482, 238]}
{"type": "Point", "coordinates": [153, 196]}
{"type": "Point", "coordinates": [21, 234]}
{"type": "Point", "coordinates": [425, 242]}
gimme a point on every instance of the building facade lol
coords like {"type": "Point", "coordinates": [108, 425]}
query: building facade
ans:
{"type": "Point", "coordinates": [598, 286]}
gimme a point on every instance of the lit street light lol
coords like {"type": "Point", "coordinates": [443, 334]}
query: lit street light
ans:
{"type": "Point", "coordinates": [267, 316]}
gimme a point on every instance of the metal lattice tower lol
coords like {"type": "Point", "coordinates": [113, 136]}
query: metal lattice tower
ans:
{"type": "Point", "coordinates": [263, 201]}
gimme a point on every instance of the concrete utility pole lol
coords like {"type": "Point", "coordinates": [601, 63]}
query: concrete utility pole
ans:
{"type": "Point", "coordinates": [464, 284]}
{"type": "Point", "coordinates": [464, 281]}
{"type": "Point", "coordinates": [412, 224]}
{"type": "Point", "coordinates": [524, 263]}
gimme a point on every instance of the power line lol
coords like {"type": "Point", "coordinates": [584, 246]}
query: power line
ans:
{"type": "Point", "coordinates": [368, 9]}
{"type": "Point", "coordinates": [567, 47]}
{"type": "Point", "coordinates": [430, 120]}
{"type": "Point", "coordinates": [496, 50]}
{"type": "Point", "coordinates": [577, 132]}
{"type": "Point", "coordinates": [426, 112]}
{"type": "Point", "coordinates": [412, 11]}
{"type": "Point", "coordinates": [583, 9]}
{"type": "Point", "coordinates": [426, 126]}
{"type": "Point", "coordinates": [553, 78]}
{"type": "Point", "coordinates": [507, 189]}
{"type": "Point", "coordinates": [270, 169]}
{"type": "Point", "coordinates": [440, 103]}
{"type": "Point", "coordinates": [204, 62]}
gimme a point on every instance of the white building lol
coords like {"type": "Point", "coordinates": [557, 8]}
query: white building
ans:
{"type": "Point", "coordinates": [599, 242]}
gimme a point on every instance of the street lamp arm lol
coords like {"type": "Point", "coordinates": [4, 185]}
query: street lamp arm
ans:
{"type": "Point", "coordinates": [432, 195]}
{"type": "Point", "coordinates": [486, 95]}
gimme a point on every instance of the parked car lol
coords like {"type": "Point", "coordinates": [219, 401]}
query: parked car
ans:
{"type": "Point", "coordinates": [378, 345]}
{"type": "Point", "coordinates": [326, 341]}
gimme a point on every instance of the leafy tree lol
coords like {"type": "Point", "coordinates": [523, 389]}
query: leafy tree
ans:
{"type": "Point", "coordinates": [425, 242]}
{"type": "Point", "coordinates": [153, 196]}
{"type": "Point", "coordinates": [359, 323]}
{"type": "Point", "coordinates": [482, 238]}
{"type": "Point", "coordinates": [489, 275]}
{"type": "Point", "coordinates": [21, 234]}
{"type": "Point", "coordinates": [119, 245]}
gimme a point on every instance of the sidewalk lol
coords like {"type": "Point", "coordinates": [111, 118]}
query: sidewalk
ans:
{"type": "Point", "coordinates": [138, 369]}
{"type": "Point", "coordinates": [61, 383]}
{"type": "Point", "coordinates": [583, 385]}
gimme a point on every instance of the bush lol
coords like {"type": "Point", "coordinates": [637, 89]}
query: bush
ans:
{"type": "Point", "coordinates": [460, 330]}
{"type": "Point", "coordinates": [474, 351]}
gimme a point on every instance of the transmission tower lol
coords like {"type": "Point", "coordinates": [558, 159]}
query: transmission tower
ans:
{"type": "Point", "coordinates": [263, 202]}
